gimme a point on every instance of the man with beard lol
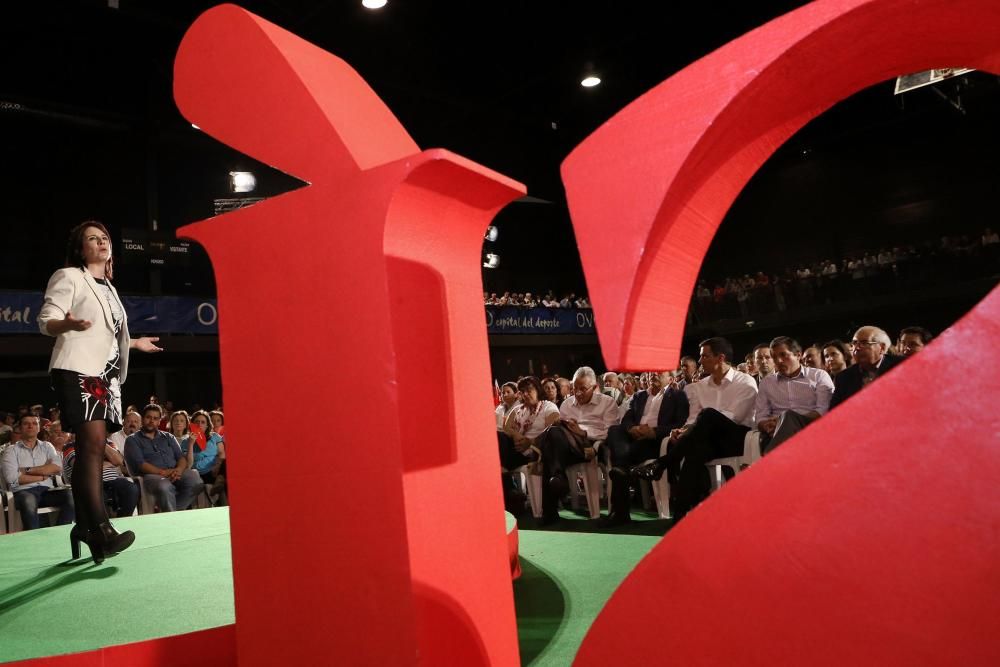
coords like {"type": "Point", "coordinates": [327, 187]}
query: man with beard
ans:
{"type": "Point", "coordinates": [793, 397]}
{"type": "Point", "coordinates": [156, 456]}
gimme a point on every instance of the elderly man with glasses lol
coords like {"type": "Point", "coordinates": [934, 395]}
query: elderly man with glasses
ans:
{"type": "Point", "coordinates": [870, 350]}
{"type": "Point", "coordinates": [584, 419]}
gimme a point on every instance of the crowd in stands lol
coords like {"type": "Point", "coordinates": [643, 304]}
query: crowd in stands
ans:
{"type": "Point", "coordinates": [528, 300]}
{"type": "Point", "coordinates": [699, 412]}
{"type": "Point", "coordinates": [892, 269]}
{"type": "Point", "coordinates": [170, 456]}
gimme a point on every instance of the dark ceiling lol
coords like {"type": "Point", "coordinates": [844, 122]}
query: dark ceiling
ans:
{"type": "Point", "coordinates": [86, 90]}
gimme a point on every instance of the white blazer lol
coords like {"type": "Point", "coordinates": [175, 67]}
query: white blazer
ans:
{"type": "Point", "coordinates": [74, 290]}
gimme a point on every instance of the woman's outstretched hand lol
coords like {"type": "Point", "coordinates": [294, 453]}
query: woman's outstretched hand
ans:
{"type": "Point", "coordinates": [146, 344]}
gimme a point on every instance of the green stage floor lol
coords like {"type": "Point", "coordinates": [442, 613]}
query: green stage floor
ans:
{"type": "Point", "coordinates": [181, 565]}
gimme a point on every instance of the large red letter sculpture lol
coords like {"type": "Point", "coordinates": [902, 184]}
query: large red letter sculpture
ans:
{"type": "Point", "coordinates": [872, 536]}
{"type": "Point", "coordinates": [381, 542]}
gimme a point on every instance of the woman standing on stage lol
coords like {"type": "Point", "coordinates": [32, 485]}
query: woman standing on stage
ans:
{"type": "Point", "coordinates": [89, 363]}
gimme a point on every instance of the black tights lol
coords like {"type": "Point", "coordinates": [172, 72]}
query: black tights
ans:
{"type": "Point", "coordinates": [88, 490]}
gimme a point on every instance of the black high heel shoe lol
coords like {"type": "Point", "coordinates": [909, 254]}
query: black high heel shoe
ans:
{"type": "Point", "coordinates": [104, 541]}
{"type": "Point", "coordinates": [651, 471]}
{"type": "Point", "coordinates": [77, 534]}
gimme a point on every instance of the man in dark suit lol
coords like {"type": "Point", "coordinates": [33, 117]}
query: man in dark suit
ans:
{"type": "Point", "coordinates": [651, 416]}
{"type": "Point", "coordinates": [870, 349]}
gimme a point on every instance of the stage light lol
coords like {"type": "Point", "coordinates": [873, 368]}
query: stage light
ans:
{"type": "Point", "coordinates": [195, 126]}
{"type": "Point", "coordinates": [242, 181]}
{"type": "Point", "coordinates": [492, 233]}
{"type": "Point", "coordinates": [492, 261]}
{"type": "Point", "coordinates": [373, 4]}
{"type": "Point", "coordinates": [590, 81]}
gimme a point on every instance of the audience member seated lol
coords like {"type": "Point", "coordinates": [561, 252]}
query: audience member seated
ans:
{"type": "Point", "coordinates": [206, 452]}
{"type": "Point", "coordinates": [811, 357]}
{"type": "Point", "coordinates": [721, 413]}
{"type": "Point", "coordinates": [652, 415]}
{"type": "Point", "coordinates": [584, 419]}
{"type": "Point", "coordinates": [610, 386]}
{"type": "Point", "coordinates": [870, 349]}
{"type": "Point", "coordinates": [793, 397]}
{"type": "Point", "coordinates": [912, 340]}
{"type": "Point", "coordinates": [689, 370]}
{"type": "Point", "coordinates": [518, 440]}
{"type": "Point", "coordinates": [218, 421]}
{"type": "Point", "coordinates": [121, 492]}
{"type": "Point", "coordinates": [131, 424]}
{"type": "Point", "coordinates": [550, 391]}
{"type": "Point", "coordinates": [762, 361]}
{"type": "Point", "coordinates": [836, 357]}
{"type": "Point", "coordinates": [508, 399]}
{"type": "Point", "coordinates": [156, 456]}
{"type": "Point", "coordinates": [565, 389]}
{"type": "Point", "coordinates": [27, 467]}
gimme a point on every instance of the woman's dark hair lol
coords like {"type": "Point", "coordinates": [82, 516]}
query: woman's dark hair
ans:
{"type": "Point", "coordinates": [840, 345]}
{"type": "Point", "coordinates": [541, 394]}
{"type": "Point", "coordinates": [208, 418]}
{"type": "Point", "coordinates": [74, 247]}
{"type": "Point", "coordinates": [531, 381]}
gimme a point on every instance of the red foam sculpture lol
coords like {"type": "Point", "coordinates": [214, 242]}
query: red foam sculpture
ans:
{"type": "Point", "coordinates": [871, 538]}
{"type": "Point", "coordinates": [384, 541]}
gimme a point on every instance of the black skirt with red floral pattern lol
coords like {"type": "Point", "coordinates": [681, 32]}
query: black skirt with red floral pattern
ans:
{"type": "Point", "coordinates": [84, 398]}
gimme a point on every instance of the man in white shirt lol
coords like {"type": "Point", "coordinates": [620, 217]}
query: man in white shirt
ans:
{"type": "Point", "coordinates": [793, 397]}
{"type": "Point", "coordinates": [651, 416]}
{"type": "Point", "coordinates": [585, 418]}
{"type": "Point", "coordinates": [130, 425]}
{"type": "Point", "coordinates": [721, 413]}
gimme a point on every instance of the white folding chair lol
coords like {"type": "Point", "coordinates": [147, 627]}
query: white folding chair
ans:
{"type": "Point", "coordinates": [12, 518]}
{"type": "Point", "coordinates": [589, 473]}
{"type": "Point", "coordinates": [751, 452]}
{"type": "Point", "coordinates": [661, 487]}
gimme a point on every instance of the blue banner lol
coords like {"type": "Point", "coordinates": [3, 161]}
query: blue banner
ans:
{"type": "Point", "coordinates": [146, 314]}
{"type": "Point", "coordinates": [520, 320]}
{"type": "Point", "coordinates": [193, 315]}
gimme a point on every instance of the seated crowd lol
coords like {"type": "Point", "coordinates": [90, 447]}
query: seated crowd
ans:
{"type": "Point", "coordinates": [702, 411]}
{"type": "Point", "coordinates": [174, 453]}
{"type": "Point", "coordinates": [890, 269]}
{"type": "Point", "coordinates": [527, 300]}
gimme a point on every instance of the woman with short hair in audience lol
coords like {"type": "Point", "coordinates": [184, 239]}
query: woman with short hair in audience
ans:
{"type": "Point", "coordinates": [550, 391]}
{"type": "Point", "coordinates": [836, 357]}
{"type": "Point", "coordinates": [210, 459]}
{"type": "Point", "coordinates": [524, 424]}
{"type": "Point", "coordinates": [180, 427]}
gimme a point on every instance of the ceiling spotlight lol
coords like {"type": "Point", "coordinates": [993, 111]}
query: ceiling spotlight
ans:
{"type": "Point", "coordinates": [492, 233]}
{"type": "Point", "coordinates": [373, 4]}
{"type": "Point", "coordinates": [242, 181]}
{"type": "Point", "coordinates": [590, 81]}
{"type": "Point", "coordinates": [492, 261]}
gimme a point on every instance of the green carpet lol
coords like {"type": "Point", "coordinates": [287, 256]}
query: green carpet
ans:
{"type": "Point", "coordinates": [180, 567]}
{"type": "Point", "coordinates": [177, 578]}
{"type": "Point", "coordinates": [567, 577]}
